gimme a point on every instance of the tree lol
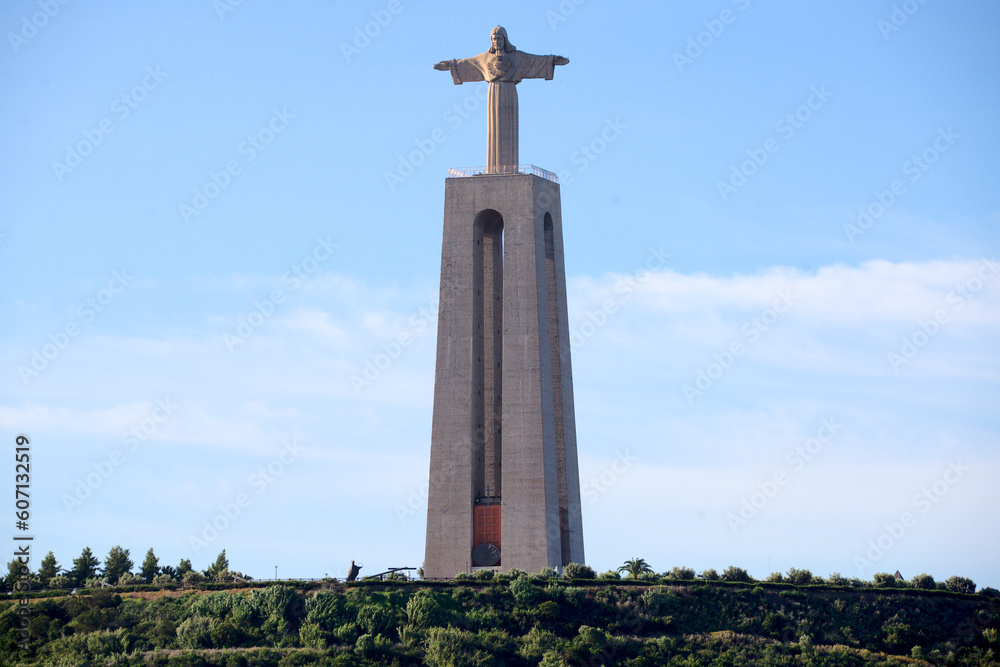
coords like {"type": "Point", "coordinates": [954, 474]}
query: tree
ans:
{"type": "Point", "coordinates": [960, 585]}
{"type": "Point", "coordinates": [682, 573]}
{"type": "Point", "coordinates": [799, 577]}
{"type": "Point", "coordinates": [733, 573]}
{"type": "Point", "coordinates": [117, 564]}
{"type": "Point", "coordinates": [710, 574]}
{"type": "Point", "coordinates": [84, 567]}
{"type": "Point", "coordinates": [219, 567]}
{"type": "Point", "coordinates": [150, 566]}
{"type": "Point", "coordinates": [924, 581]}
{"type": "Point", "coordinates": [48, 569]}
{"type": "Point", "coordinates": [15, 572]}
{"type": "Point", "coordinates": [192, 577]}
{"type": "Point", "coordinates": [635, 567]}
{"type": "Point", "coordinates": [884, 580]}
{"type": "Point", "coordinates": [183, 568]}
{"type": "Point", "coordinates": [170, 571]}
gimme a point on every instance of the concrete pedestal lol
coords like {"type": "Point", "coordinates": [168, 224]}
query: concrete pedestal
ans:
{"type": "Point", "coordinates": [504, 428]}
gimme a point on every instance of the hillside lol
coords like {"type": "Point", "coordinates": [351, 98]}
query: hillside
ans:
{"type": "Point", "coordinates": [525, 621]}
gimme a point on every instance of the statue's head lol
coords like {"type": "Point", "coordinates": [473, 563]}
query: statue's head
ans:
{"type": "Point", "coordinates": [500, 42]}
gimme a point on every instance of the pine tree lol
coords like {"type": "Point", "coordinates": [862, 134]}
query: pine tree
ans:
{"type": "Point", "coordinates": [117, 564]}
{"type": "Point", "coordinates": [220, 566]}
{"type": "Point", "coordinates": [14, 574]}
{"type": "Point", "coordinates": [150, 566]}
{"type": "Point", "coordinates": [183, 567]}
{"type": "Point", "coordinates": [48, 569]}
{"type": "Point", "coordinates": [84, 567]}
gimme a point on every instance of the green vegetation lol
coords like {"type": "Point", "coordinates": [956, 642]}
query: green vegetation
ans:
{"type": "Point", "coordinates": [486, 618]}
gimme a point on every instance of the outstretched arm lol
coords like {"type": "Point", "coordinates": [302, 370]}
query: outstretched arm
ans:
{"type": "Point", "coordinates": [530, 66]}
{"type": "Point", "coordinates": [465, 69]}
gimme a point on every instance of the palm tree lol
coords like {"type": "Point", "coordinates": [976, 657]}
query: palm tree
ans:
{"type": "Point", "coordinates": [635, 567]}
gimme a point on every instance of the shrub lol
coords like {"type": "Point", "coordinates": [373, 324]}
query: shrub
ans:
{"type": "Point", "coordinates": [682, 573]}
{"type": "Point", "coordinates": [365, 644]}
{"type": "Point", "coordinates": [578, 571]}
{"type": "Point", "coordinates": [733, 573]}
{"type": "Point", "coordinates": [312, 636]}
{"type": "Point", "coordinates": [450, 646]}
{"type": "Point", "coordinates": [710, 574]}
{"type": "Point", "coordinates": [536, 643]}
{"type": "Point", "coordinates": [196, 632]}
{"type": "Point", "coordinates": [375, 619]}
{"type": "Point", "coordinates": [346, 633]}
{"type": "Point", "coordinates": [523, 590]}
{"type": "Point", "coordinates": [836, 579]}
{"type": "Point", "coordinates": [775, 577]}
{"type": "Point", "coordinates": [129, 579]}
{"type": "Point", "coordinates": [610, 574]}
{"type": "Point", "coordinates": [485, 575]}
{"type": "Point", "coordinates": [424, 611]}
{"type": "Point", "coordinates": [923, 581]}
{"type": "Point", "coordinates": [193, 577]}
{"type": "Point", "coordinates": [549, 572]}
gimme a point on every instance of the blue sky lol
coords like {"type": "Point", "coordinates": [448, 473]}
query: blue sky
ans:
{"type": "Point", "coordinates": [217, 218]}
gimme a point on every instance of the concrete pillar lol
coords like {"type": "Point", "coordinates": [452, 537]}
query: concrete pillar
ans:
{"type": "Point", "coordinates": [530, 461]}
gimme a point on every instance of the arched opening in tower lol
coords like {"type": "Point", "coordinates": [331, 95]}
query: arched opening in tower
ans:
{"type": "Point", "coordinates": [488, 352]}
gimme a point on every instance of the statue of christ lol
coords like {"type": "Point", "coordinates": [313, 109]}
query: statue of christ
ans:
{"type": "Point", "coordinates": [503, 66]}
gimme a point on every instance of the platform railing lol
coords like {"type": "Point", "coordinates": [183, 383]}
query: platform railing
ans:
{"type": "Point", "coordinates": [470, 172]}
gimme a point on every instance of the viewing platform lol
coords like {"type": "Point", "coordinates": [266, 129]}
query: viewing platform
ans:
{"type": "Point", "coordinates": [470, 172]}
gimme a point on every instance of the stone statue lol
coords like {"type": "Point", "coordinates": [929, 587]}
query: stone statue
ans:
{"type": "Point", "coordinates": [503, 66]}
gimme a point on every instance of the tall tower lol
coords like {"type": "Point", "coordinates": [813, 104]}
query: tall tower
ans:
{"type": "Point", "coordinates": [504, 479]}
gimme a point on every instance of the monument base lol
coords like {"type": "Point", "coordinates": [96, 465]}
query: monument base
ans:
{"type": "Point", "coordinates": [503, 430]}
